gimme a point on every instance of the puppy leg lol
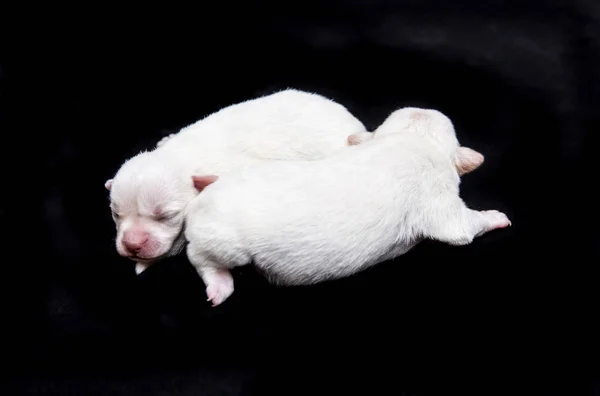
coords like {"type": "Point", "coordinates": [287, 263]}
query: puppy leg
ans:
{"type": "Point", "coordinates": [213, 264]}
{"type": "Point", "coordinates": [216, 278]}
{"type": "Point", "coordinates": [459, 226]}
{"type": "Point", "coordinates": [219, 283]}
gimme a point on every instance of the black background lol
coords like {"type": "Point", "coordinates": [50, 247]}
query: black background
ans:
{"type": "Point", "coordinates": [514, 313]}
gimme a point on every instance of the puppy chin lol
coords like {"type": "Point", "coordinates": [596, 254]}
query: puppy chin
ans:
{"type": "Point", "coordinates": [142, 263]}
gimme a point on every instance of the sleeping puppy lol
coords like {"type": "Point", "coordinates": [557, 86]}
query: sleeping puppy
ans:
{"type": "Point", "coordinates": [149, 193]}
{"type": "Point", "coordinates": [301, 223]}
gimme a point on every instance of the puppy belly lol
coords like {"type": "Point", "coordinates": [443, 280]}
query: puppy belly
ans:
{"type": "Point", "coordinates": [308, 271]}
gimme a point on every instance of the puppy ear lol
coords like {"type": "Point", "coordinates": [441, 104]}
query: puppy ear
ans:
{"type": "Point", "coordinates": [467, 160]}
{"type": "Point", "coordinates": [141, 267]}
{"type": "Point", "coordinates": [108, 184]}
{"type": "Point", "coordinates": [201, 182]}
{"type": "Point", "coordinates": [358, 138]}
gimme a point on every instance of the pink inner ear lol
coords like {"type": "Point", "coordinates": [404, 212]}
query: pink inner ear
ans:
{"type": "Point", "coordinates": [201, 182]}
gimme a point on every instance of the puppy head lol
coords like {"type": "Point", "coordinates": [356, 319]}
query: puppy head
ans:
{"type": "Point", "coordinates": [437, 129]}
{"type": "Point", "coordinates": [148, 197]}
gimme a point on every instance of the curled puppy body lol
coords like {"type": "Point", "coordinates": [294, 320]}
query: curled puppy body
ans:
{"type": "Point", "coordinates": [301, 223]}
{"type": "Point", "coordinates": [151, 190]}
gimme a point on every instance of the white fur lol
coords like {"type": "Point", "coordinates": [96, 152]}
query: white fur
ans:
{"type": "Point", "coordinates": [305, 222]}
{"type": "Point", "coordinates": [151, 190]}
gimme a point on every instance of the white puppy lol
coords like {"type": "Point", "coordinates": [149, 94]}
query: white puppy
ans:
{"type": "Point", "coordinates": [306, 222]}
{"type": "Point", "coordinates": [151, 190]}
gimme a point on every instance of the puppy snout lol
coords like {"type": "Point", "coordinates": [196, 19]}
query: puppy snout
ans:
{"type": "Point", "coordinates": [134, 241]}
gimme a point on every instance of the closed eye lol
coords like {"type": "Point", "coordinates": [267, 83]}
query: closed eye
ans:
{"type": "Point", "coordinates": [166, 216]}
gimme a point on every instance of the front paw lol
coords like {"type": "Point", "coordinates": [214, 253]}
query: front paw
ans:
{"type": "Point", "coordinates": [496, 219]}
{"type": "Point", "coordinates": [219, 289]}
